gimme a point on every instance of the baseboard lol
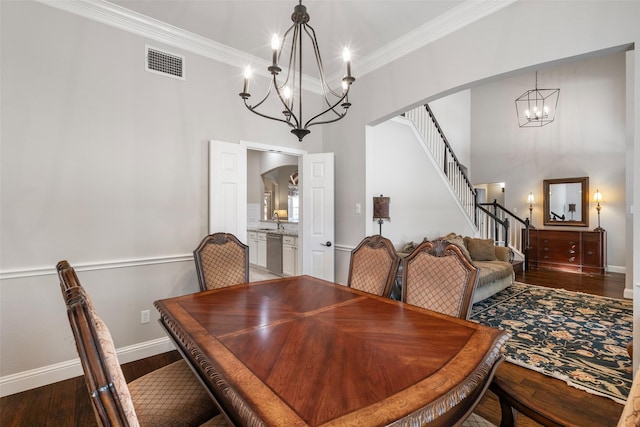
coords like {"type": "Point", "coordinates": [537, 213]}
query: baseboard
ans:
{"type": "Point", "coordinates": [628, 293]}
{"type": "Point", "coordinates": [16, 383]}
{"type": "Point", "coordinates": [616, 269]}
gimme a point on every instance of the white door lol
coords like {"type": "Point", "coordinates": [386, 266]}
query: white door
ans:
{"type": "Point", "coordinates": [228, 189]}
{"type": "Point", "coordinates": [316, 224]}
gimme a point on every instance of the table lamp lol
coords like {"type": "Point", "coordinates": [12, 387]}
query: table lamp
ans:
{"type": "Point", "coordinates": [381, 210]}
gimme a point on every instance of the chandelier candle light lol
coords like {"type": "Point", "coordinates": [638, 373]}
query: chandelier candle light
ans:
{"type": "Point", "coordinates": [289, 91]}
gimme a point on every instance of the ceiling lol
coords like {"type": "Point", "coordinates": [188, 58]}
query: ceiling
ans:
{"type": "Point", "coordinates": [370, 29]}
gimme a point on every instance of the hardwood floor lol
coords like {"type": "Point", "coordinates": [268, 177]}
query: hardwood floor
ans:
{"type": "Point", "coordinates": [66, 403]}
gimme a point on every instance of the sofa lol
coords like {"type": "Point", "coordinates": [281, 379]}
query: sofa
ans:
{"type": "Point", "coordinates": [496, 271]}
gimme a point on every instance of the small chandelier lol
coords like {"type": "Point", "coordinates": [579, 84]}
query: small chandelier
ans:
{"type": "Point", "coordinates": [289, 91]}
{"type": "Point", "coordinates": [537, 107]}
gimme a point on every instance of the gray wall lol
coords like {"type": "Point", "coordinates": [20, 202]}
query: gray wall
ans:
{"type": "Point", "coordinates": [587, 138]}
{"type": "Point", "coordinates": [478, 54]}
{"type": "Point", "coordinates": [105, 164]}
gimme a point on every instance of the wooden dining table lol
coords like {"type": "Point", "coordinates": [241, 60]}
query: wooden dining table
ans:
{"type": "Point", "coordinates": [301, 351]}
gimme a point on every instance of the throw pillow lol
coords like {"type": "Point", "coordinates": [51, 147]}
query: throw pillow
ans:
{"type": "Point", "coordinates": [481, 249]}
{"type": "Point", "coordinates": [409, 247]}
{"type": "Point", "coordinates": [459, 242]}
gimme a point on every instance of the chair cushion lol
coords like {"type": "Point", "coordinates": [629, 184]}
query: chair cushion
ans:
{"type": "Point", "coordinates": [217, 421]}
{"type": "Point", "coordinates": [113, 367]}
{"type": "Point", "coordinates": [476, 420]}
{"type": "Point", "coordinates": [171, 396]}
{"type": "Point", "coordinates": [490, 271]}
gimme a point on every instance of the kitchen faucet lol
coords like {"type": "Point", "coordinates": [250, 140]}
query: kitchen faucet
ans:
{"type": "Point", "coordinates": [276, 218]}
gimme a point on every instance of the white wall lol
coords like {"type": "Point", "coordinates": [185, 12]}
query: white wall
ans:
{"type": "Point", "coordinates": [587, 138]}
{"type": "Point", "coordinates": [103, 164]}
{"type": "Point", "coordinates": [421, 204]}
{"type": "Point", "coordinates": [482, 52]}
{"type": "Point", "coordinates": [453, 113]}
{"type": "Point", "coordinates": [94, 149]}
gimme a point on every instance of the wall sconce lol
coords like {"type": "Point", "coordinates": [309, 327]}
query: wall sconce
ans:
{"type": "Point", "coordinates": [597, 197]}
{"type": "Point", "coordinates": [381, 210]}
{"type": "Point", "coordinates": [530, 200]}
{"type": "Point", "coordinates": [502, 186]}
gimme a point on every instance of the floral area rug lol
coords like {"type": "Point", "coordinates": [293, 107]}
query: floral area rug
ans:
{"type": "Point", "coordinates": [572, 336]}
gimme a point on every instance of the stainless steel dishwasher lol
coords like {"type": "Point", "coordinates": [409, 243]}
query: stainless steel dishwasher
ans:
{"type": "Point", "coordinates": [274, 253]}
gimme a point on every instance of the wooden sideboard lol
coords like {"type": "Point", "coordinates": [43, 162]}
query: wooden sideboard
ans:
{"type": "Point", "coordinates": [581, 251]}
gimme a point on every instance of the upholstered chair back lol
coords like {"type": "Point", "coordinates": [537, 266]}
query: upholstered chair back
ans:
{"type": "Point", "coordinates": [373, 266]}
{"type": "Point", "coordinates": [439, 277]}
{"type": "Point", "coordinates": [221, 260]}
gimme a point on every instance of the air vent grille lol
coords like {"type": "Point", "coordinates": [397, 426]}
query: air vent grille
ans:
{"type": "Point", "coordinates": [165, 63]}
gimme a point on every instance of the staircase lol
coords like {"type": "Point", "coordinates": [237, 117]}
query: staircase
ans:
{"type": "Point", "coordinates": [492, 220]}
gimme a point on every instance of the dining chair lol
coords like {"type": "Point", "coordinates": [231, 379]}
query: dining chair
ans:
{"type": "Point", "coordinates": [168, 396]}
{"type": "Point", "coordinates": [221, 260]}
{"type": "Point", "coordinates": [439, 277]}
{"type": "Point", "coordinates": [373, 266]}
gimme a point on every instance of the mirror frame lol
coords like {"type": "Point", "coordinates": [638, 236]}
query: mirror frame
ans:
{"type": "Point", "coordinates": [584, 221]}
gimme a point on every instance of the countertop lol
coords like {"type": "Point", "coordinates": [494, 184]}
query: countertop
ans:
{"type": "Point", "coordinates": [290, 233]}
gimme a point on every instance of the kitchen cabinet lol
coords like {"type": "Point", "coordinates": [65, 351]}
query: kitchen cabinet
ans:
{"type": "Point", "coordinates": [290, 256]}
{"type": "Point", "coordinates": [581, 251]}
{"type": "Point", "coordinates": [252, 237]}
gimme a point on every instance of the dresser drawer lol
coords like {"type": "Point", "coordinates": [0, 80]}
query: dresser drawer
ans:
{"type": "Point", "coordinates": [567, 250]}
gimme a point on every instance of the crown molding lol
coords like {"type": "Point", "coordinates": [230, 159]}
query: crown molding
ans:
{"type": "Point", "coordinates": [136, 23]}
{"type": "Point", "coordinates": [119, 17]}
{"type": "Point", "coordinates": [459, 17]}
{"type": "Point", "coordinates": [142, 25]}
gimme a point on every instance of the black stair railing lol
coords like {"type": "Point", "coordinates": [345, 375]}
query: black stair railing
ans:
{"type": "Point", "coordinates": [503, 225]}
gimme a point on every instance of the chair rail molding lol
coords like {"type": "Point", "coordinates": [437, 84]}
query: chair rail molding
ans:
{"type": "Point", "coordinates": [98, 265]}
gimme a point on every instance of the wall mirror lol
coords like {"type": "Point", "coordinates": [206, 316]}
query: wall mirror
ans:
{"type": "Point", "coordinates": [566, 201]}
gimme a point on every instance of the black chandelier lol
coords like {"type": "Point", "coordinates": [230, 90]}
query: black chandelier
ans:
{"type": "Point", "coordinates": [537, 107]}
{"type": "Point", "coordinates": [289, 91]}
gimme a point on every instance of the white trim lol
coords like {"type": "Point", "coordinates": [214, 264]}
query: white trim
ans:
{"type": "Point", "coordinates": [343, 248]}
{"type": "Point", "coordinates": [26, 380]}
{"type": "Point", "coordinates": [616, 269]}
{"type": "Point", "coordinates": [257, 146]}
{"type": "Point", "coordinates": [460, 16]}
{"type": "Point", "coordinates": [119, 17]}
{"type": "Point", "coordinates": [99, 265]}
{"type": "Point", "coordinates": [628, 293]}
{"type": "Point", "coordinates": [142, 25]}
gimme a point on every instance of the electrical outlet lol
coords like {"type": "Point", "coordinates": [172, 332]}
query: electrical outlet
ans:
{"type": "Point", "coordinates": [358, 208]}
{"type": "Point", "coordinates": [145, 317]}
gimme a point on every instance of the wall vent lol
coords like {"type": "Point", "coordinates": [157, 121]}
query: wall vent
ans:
{"type": "Point", "coordinates": [165, 63]}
